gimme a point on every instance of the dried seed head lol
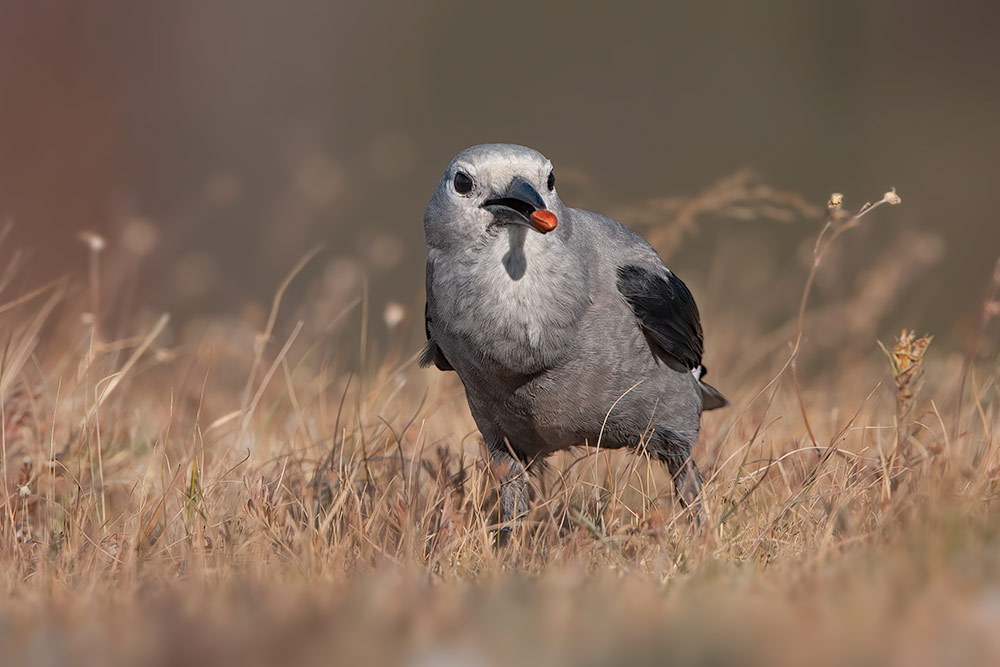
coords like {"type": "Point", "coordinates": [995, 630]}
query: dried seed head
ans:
{"type": "Point", "coordinates": [906, 359]}
{"type": "Point", "coordinates": [891, 198]}
{"type": "Point", "coordinates": [95, 242]}
{"type": "Point", "coordinates": [908, 352]}
{"type": "Point", "coordinates": [991, 309]}
{"type": "Point", "coordinates": [836, 199]}
{"type": "Point", "coordinates": [393, 314]}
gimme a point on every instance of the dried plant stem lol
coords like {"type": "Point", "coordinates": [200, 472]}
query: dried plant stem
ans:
{"type": "Point", "coordinates": [9, 510]}
{"type": "Point", "coordinates": [95, 292]}
{"type": "Point", "coordinates": [835, 220]}
{"type": "Point", "coordinates": [262, 339]}
{"type": "Point", "coordinates": [248, 413]}
{"type": "Point", "coordinates": [990, 309]}
{"type": "Point", "coordinates": [115, 380]}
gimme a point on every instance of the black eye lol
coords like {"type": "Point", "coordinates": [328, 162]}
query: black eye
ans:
{"type": "Point", "coordinates": [552, 181]}
{"type": "Point", "coordinates": [463, 183]}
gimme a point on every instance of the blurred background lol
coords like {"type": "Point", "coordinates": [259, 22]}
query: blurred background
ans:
{"type": "Point", "coordinates": [213, 144]}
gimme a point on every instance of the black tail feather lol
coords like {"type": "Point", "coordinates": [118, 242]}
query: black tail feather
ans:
{"type": "Point", "coordinates": [711, 398]}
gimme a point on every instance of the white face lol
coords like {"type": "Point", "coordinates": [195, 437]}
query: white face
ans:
{"type": "Point", "coordinates": [486, 187]}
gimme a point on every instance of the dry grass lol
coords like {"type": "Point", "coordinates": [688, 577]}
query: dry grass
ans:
{"type": "Point", "coordinates": [243, 497]}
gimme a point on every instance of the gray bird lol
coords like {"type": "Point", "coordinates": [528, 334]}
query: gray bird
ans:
{"type": "Point", "coordinates": [564, 326]}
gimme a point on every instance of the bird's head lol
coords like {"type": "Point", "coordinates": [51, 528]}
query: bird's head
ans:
{"type": "Point", "coordinates": [489, 187]}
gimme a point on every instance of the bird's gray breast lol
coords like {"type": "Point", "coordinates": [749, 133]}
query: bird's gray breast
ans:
{"type": "Point", "coordinates": [509, 307]}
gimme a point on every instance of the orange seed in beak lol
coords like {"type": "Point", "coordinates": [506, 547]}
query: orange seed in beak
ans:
{"type": "Point", "coordinates": [544, 221]}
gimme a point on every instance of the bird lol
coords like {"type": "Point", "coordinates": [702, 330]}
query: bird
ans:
{"type": "Point", "coordinates": [563, 325]}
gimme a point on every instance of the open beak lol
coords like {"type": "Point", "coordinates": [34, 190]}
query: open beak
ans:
{"type": "Point", "coordinates": [522, 205]}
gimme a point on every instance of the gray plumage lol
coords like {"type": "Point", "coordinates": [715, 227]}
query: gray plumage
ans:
{"type": "Point", "coordinates": [578, 336]}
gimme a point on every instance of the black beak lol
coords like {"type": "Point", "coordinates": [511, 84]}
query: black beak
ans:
{"type": "Point", "coordinates": [517, 203]}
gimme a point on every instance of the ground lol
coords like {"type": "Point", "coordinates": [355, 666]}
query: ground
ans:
{"type": "Point", "coordinates": [263, 492]}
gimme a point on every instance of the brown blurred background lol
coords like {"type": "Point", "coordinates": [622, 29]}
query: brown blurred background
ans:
{"type": "Point", "coordinates": [215, 143]}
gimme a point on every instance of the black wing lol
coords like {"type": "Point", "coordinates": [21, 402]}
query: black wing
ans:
{"type": "Point", "coordinates": [669, 318]}
{"type": "Point", "coordinates": [432, 354]}
{"type": "Point", "coordinates": [666, 311]}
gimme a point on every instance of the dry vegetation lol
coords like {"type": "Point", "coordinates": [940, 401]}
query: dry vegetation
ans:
{"type": "Point", "coordinates": [241, 496]}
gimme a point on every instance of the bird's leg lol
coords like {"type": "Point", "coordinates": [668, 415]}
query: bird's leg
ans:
{"type": "Point", "coordinates": [512, 477]}
{"type": "Point", "coordinates": [687, 483]}
{"type": "Point", "coordinates": [673, 447]}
